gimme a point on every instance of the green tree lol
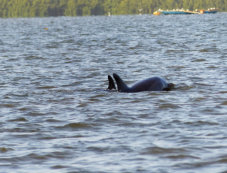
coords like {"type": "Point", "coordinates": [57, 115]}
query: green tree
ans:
{"type": "Point", "coordinates": [41, 8]}
{"type": "Point", "coordinates": [70, 8]}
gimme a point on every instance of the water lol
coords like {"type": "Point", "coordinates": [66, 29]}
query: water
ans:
{"type": "Point", "coordinates": [55, 115]}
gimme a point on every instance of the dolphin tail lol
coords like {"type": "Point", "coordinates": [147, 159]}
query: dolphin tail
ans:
{"type": "Point", "coordinates": [169, 87]}
{"type": "Point", "coordinates": [121, 86]}
{"type": "Point", "coordinates": [111, 83]}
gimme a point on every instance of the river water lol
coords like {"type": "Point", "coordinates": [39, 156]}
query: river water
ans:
{"type": "Point", "coordinates": [56, 116]}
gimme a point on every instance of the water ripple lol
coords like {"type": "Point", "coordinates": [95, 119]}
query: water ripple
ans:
{"type": "Point", "coordinates": [55, 110]}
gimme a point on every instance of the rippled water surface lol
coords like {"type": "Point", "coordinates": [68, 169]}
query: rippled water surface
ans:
{"type": "Point", "coordinates": [56, 116]}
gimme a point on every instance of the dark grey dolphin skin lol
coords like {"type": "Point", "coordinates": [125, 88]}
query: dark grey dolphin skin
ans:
{"type": "Point", "coordinates": [150, 84]}
{"type": "Point", "coordinates": [111, 83]}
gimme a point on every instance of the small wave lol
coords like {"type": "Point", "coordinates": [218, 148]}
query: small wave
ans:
{"type": "Point", "coordinates": [4, 149]}
{"type": "Point", "coordinates": [201, 164]}
{"type": "Point", "coordinates": [52, 45]}
{"type": "Point", "coordinates": [74, 83]}
{"type": "Point", "coordinates": [35, 156]}
{"type": "Point", "coordinates": [52, 120]}
{"type": "Point", "coordinates": [174, 51]}
{"type": "Point", "coordinates": [199, 60]}
{"type": "Point", "coordinates": [223, 92]}
{"type": "Point", "coordinates": [168, 105]}
{"type": "Point", "coordinates": [33, 57]}
{"type": "Point", "coordinates": [68, 41]}
{"type": "Point", "coordinates": [21, 119]}
{"type": "Point", "coordinates": [58, 167]}
{"type": "Point", "coordinates": [204, 50]}
{"type": "Point", "coordinates": [182, 156]}
{"type": "Point", "coordinates": [177, 67]}
{"type": "Point", "coordinates": [183, 87]}
{"type": "Point", "coordinates": [46, 87]}
{"type": "Point", "coordinates": [36, 113]}
{"type": "Point", "coordinates": [212, 67]}
{"type": "Point", "coordinates": [211, 49]}
{"type": "Point", "coordinates": [78, 125]}
{"type": "Point", "coordinates": [200, 123]}
{"type": "Point", "coordinates": [23, 109]}
{"type": "Point", "coordinates": [8, 105]}
{"type": "Point", "coordinates": [160, 150]}
{"type": "Point", "coordinates": [98, 149]}
{"type": "Point", "coordinates": [224, 103]}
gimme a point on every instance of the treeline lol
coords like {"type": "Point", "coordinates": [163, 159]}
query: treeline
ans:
{"type": "Point", "coordinates": [42, 8]}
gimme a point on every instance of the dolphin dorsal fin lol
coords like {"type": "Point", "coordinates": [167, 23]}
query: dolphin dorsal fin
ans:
{"type": "Point", "coordinates": [121, 86]}
{"type": "Point", "coordinates": [111, 83]}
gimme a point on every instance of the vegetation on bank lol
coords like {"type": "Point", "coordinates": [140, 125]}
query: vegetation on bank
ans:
{"type": "Point", "coordinates": [42, 8]}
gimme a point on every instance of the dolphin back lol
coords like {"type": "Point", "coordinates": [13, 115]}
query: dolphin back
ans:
{"type": "Point", "coordinates": [121, 86]}
{"type": "Point", "coordinates": [149, 84]}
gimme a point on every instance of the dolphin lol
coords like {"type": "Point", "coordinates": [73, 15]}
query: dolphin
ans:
{"type": "Point", "coordinates": [149, 84]}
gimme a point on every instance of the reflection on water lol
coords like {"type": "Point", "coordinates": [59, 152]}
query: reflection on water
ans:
{"type": "Point", "coordinates": [56, 115]}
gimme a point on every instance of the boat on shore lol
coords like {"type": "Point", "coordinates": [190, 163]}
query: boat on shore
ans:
{"type": "Point", "coordinates": [183, 12]}
{"type": "Point", "coordinates": [174, 12]}
{"type": "Point", "coordinates": [177, 12]}
{"type": "Point", "coordinates": [209, 11]}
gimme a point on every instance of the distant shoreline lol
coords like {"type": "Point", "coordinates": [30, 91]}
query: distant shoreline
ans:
{"type": "Point", "coordinates": [48, 8]}
{"type": "Point", "coordinates": [86, 16]}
